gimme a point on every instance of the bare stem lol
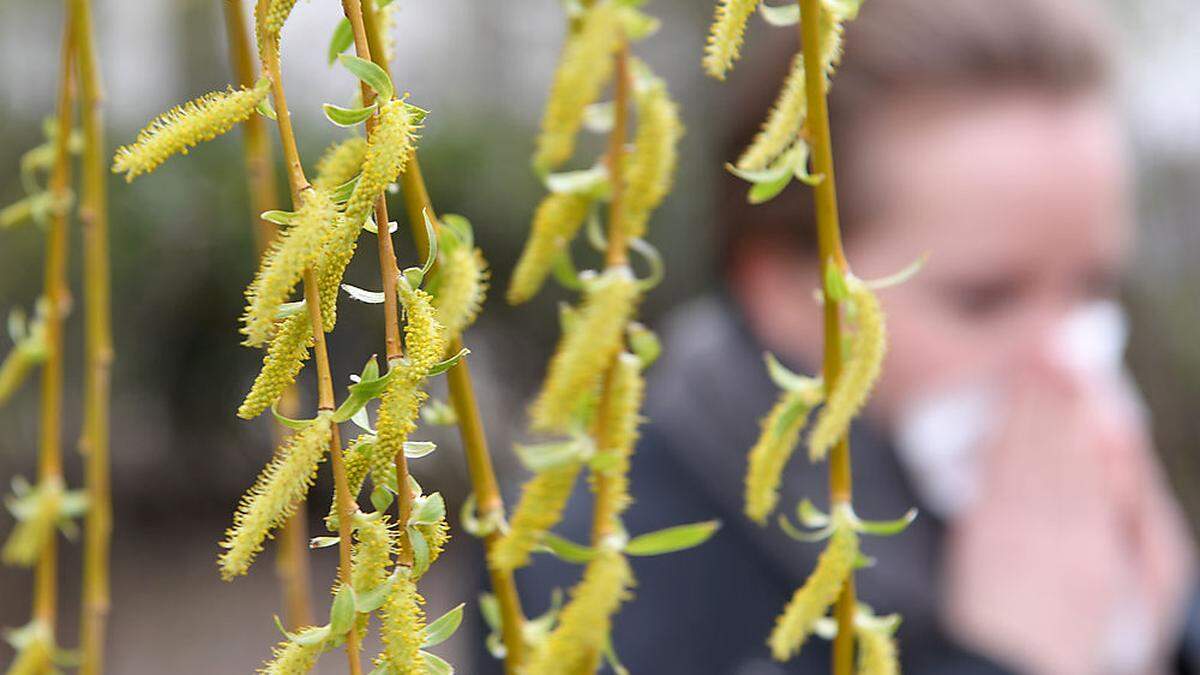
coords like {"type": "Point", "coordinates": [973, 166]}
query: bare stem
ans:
{"type": "Point", "coordinates": [291, 566]}
{"type": "Point", "coordinates": [829, 245]}
{"type": "Point", "coordinates": [462, 393]}
{"type": "Point", "coordinates": [312, 296]}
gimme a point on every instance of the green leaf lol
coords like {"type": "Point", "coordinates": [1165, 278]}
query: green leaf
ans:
{"type": "Point", "coordinates": [900, 277]}
{"type": "Point", "coordinates": [363, 295]}
{"type": "Point", "coordinates": [592, 182]}
{"type": "Point", "coordinates": [644, 343]}
{"type": "Point", "coordinates": [431, 237]}
{"type": "Point", "coordinates": [489, 607]}
{"type": "Point", "coordinates": [653, 258]}
{"type": "Point", "coordinates": [475, 525]}
{"type": "Point", "coordinates": [372, 599]}
{"type": "Point", "coordinates": [672, 539]}
{"type": "Point", "coordinates": [761, 193]}
{"type": "Point", "coordinates": [442, 366]}
{"type": "Point", "coordinates": [598, 118]}
{"type": "Point", "coordinates": [420, 551]}
{"type": "Point", "coordinates": [265, 108]}
{"type": "Point", "coordinates": [440, 630]}
{"type": "Point", "coordinates": [347, 117]}
{"type": "Point", "coordinates": [436, 665]}
{"type": "Point", "coordinates": [835, 282]}
{"type": "Point", "coordinates": [381, 498]}
{"type": "Point", "coordinates": [565, 273]}
{"type": "Point", "coordinates": [340, 41]}
{"type": "Point", "coordinates": [791, 381]}
{"type": "Point", "coordinates": [370, 73]}
{"type": "Point", "coordinates": [369, 386]}
{"type": "Point", "coordinates": [429, 510]}
{"type": "Point", "coordinates": [780, 15]}
{"type": "Point", "coordinates": [342, 192]}
{"type": "Point", "coordinates": [567, 550]}
{"type": "Point", "coordinates": [314, 635]}
{"type": "Point", "coordinates": [323, 542]}
{"type": "Point", "coordinates": [418, 449]}
{"type": "Point", "coordinates": [279, 217]}
{"type": "Point", "coordinates": [810, 516]}
{"type": "Point", "coordinates": [800, 535]}
{"type": "Point", "coordinates": [341, 614]}
{"type": "Point", "coordinates": [460, 228]}
{"type": "Point", "coordinates": [287, 421]}
{"type": "Point", "coordinates": [539, 457]}
{"type": "Point", "coordinates": [438, 413]}
{"type": "Point", "coordinates": [886, 528]}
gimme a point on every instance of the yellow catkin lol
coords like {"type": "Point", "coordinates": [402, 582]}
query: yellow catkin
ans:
{"type": "Point", "coordinates": [341, 162]}
{"type": "Point", "coordinates": [295, 250]}
{"type": "Point", "coordinates": [543, 498]}
{"type": "Point", "coordinates": [780, 434]}
{"type": "Point", "coordinates": [555, 224]}
{"type": "Point", "coordinates": [585, 351]}
{"type": "Point", "coordinates": [372, 554]}
{"type": "Point", "coordinates": [858, 377]}
{"type": "Point", "coordinates": [289, 658]}
{"type": "Point", "coordinates": [15, 368]}
{"type": "Point", "coordinates": [35, 658]}
{"type": "Point", "coordinates": [788, 114]}
{"type": "Point", "coordinates": [402, 629]}
{"type": "Point", "coordinates": [269, 17]}
{"type": "Point", "coordinates": [462, 283]}
{"type": "Point", "coordinates": [425, 338]}
{"type": "Point", "coordinates": [585, 67]}
{"type": "Point", "coordinates": [273, 497]}
{"type": "Point", "coordinates": [616, 436]}
{"type": "Point", "coordinates": [436, 535]}
{"type": "Point", "coordinates": [284, 358]}
{"type": "Point", "coordinates": [186, 126]}
{"type": "Point", "coordinates": [812, 600]}
{"type": "Point", "coordinates": [726, 35]}
{"type": "Point", "coordinates": [36, 529]}
{"type": "Point", "coordinates": [651, 166]}
{"type": "Point", "coordinates": [576, 644]}
{"type": "Point", "coordinates": [399, 409]}
{"type": "Point", "coordinates": [357, 459]}
{"type": "Point", "coordinates": [877, 652]}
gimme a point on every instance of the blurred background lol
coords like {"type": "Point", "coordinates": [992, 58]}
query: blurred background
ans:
{"type": "Point", "coordinates": [183, 252]}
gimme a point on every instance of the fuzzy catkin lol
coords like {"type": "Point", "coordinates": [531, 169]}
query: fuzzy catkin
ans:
{"type": "Point", "coordinates": [584, 68]}
{"type": "Point", "coordinates": [341, 162]}
{"type": "Point", "coordinates": [373, 548]}
{"type": "Point", "coordinates": [877, 652]}
{"type": "Point", "coordinates": [576, 644]}
{"type": "Point", "coordinates": [462, 282]}
{"type": "Point", "coordinates": [269, 17]}
{"type": "Point", "coordinates": [854, 385]}
{"type": "Point", "coordinates": [357, 458]}
{"type": "Point", "coordinates": [586, 350]}
{"type": "Point", "coordinates": [436, 535]}
{"type": "Point", "coordinates": [617, 424]}
{"type": "Point", "coordinates": [555, 223]}
{"type": "Point", "coordinates": [296, 249]}
{"type": "Point", "coordinates": [651, 165]}
{"type": "Point", "coordinates": [543, 498]}
{"type": "Point", "coordinates": [425, 338]}
{"type": "Point", "coordinates": [726, 35]}
{"type": "Point", "coordinates": [812, 600]}
{"type": "Point", "coordinates": [272, 499]}
{"type": "Point", "coordinates": [780, 433]}
{"type": "Point", "coordinates": [399, 409]}
{"type": "Point", "coordinates": [402, 629]}
{"type": "Point", "coordinates": [289, 658]}
{"type": "Point", "coordinates": [186, 126]}
{"type": "Point", "coordinates": [32, 533]}
{"type": "Point", "coordinates": [284, 358]}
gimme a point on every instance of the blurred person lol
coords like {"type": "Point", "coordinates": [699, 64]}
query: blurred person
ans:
{"type": "Point", "coordinates": [985, 134]}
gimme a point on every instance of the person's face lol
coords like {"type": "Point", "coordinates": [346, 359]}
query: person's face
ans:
{"type": "Point", "coordinates": [1020, 201]}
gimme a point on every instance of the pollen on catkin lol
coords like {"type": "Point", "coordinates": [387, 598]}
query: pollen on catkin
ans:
{"type": "Point", "coordinates": [272, 499]}
{"type": "Point", "coordinates": [425, 338]}
{"type": "Point", "coordinates": [812, 600]}
{"type": "Point", "coordinates": [876, 652]}
{"type": "Point", "coordinates": [284, 358]}
{"type": "Point", "coordinates": [858, 377]}
{"type": "Point", "coordinates": [436, 535]}
{"type": "Point", "coordinates": [402, 629]}
{"type": "Point", "coordinates": [543, 498]}
{"type": "Point", "coordinates": [37, 526]}
{"type": "Point", "coordinates": [296, 249]}
{"type": "Point", "coordinates": [585, 67]}
{"type": "Point", "coordinates": [399, 409]}
{"type": "Point", "coordinates": [726, 35]}
{"type": "Point", "coordinates": [555, 223]}
{"type": "Point", "coordinates": [269, 17]}
{"type": "Point", "coordinates": [780, 433]}
{"type": "Point", "coordinates": [341, 162]}
{"type": "Point", "coordinates": [651, 165]}
{"type": "Point", "coordinates": [373, 549]}
{"type": "Point", "coordinates": [617, 424]}
{"type": "Point", "coordinates": [585, 351]}
{"type": "Point", "coordinates": [186, 126]}
{"type": "Point", "coordinates": [462, 283]}
{"type": "Point", "coordinates": [576, 644]}
{"type": "Point", "coordinates": [291, 658]}
{"type": "Point", "coordinates": [357, 459]}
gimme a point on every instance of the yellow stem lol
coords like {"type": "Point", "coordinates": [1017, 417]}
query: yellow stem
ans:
{"type": "Point", "coordinates": [291, 566]}
{"type": "Point", "coordinates": [829, 245]}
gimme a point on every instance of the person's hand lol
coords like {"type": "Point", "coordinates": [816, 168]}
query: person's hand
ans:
{"type": "Point", "coordinates": [1073, 561]}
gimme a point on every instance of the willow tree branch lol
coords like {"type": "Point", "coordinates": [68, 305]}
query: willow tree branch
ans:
{"type": "Point", "coordinates": [291, 564]}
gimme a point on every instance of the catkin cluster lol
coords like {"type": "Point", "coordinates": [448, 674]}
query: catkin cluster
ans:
{"type": "Point", "coordinates": [651, 166]}
{"type": "Point", "coordinates": [617, 422]}
{"type": "Point", "coordinates": [462, 284]}
{"type": "Point", "coordinates": [403, 624]}
{"type": "Point", "coordinates": [543, 498]}
{"type": "Point", "coordinates": [555, 223]}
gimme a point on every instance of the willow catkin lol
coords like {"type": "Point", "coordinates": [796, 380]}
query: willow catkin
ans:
{"type": "Point", "coordinates": [543, 498]}
{"type": "Point", "coordinates": [36, 527]}
{"type": "Point", "coordinates": [726, 35]}
{"type": "Point", "coordinates": [357, 458]}
{"type": "Point", "coordinates": [854, 385]}
{"type": "Point", "coordinates": [290, 658]}
{"type": "Point", "coordinates": [373, 549]}
{"type": "Point", "coordinates": [282, 362]}
{"type": "Point", "coordinates": [186, 126]}
{"type": "Point", "coordinates": [650, 167]}
{"type": "Point", "coordinates": [296, 249]}
{"type": "Point", "coordinates": [812, 600]}
{"type": "Point", "coordinates": [273, 497]}
{"type": "Point", "coordinates": [462, 283]}
{"type": "Point", "coordinates": [341, 162]}
{"type": "Point", "coordinates": [436, 535]}
{"type": "Point", "coordinates": [17, 364]}
{"type": "Point", "coordinates": [616, 423]}
{"type": "Point", "coordinates": [585, 67]}
{"type": "Point", "coordinates": [576, 644]}
{"type": "Point", "coordinates": [585, 351]}
{"type": "Point", "coordinates": [425, 338]}
{"type": "Point", "coordinates": [555, 224]}
{"type": "Point", "coordinates": [877, 652]}
{"type": "Point", "coordinates": [269, 17]}
{"type": "Point", "coordinates": [402, 629]}
{"type": "Point", "coordinates": [780, 433]}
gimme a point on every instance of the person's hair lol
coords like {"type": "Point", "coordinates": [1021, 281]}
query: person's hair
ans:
{"type": "Point", "coordinates": [896, 48]}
